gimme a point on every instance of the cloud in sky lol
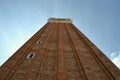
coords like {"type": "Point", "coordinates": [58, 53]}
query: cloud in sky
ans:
{"type": "Point", "coordinates": [113, 55]}
{"type": "Point", "coordinates": [116, 59]}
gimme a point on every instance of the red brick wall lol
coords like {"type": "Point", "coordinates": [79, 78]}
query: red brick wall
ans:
{"type": "Point", "coordinates": [65, 54]}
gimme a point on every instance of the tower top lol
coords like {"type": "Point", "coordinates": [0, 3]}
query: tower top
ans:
{"type": "Point", "coordinates": [60, 20]}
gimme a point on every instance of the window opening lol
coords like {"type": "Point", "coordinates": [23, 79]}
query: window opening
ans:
{"type": "Point", "coordinates": [46, 30]}
{"type": "Point", "coordinates": [43, 34]}
{"type": "Point", "coordinates": [30, 56]}
{"type": "Point", "coordinates": [39, 42]}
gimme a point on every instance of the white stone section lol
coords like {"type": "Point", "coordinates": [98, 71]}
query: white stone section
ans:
{"type": "Point", "coordinates": [60, 20]}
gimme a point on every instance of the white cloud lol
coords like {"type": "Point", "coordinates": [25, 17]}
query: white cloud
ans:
{"type": "Point", "coordinates": [116, 61]}
{"type": "Point", "coordinates": [112, 54]}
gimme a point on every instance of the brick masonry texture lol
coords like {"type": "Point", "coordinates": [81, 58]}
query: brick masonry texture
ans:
{"type": "Point", "coordinates": [61, 52]}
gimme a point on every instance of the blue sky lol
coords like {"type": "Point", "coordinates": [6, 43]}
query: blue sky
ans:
{"type": "Point", "coordinates": [99, 20]}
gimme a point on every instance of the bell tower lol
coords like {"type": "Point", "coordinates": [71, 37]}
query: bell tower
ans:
{"type": "Point", "coordinates": [59, 51]}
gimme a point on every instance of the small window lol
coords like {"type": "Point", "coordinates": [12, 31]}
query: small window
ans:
{"type": "Point", "coordinates": [39, 42]}
{"type": "Point", "coordinates": [43, 34]}
{"type": "Point", "coordinates": [46, 30]}
{"type": "Point", "coordinates": [30, 56]}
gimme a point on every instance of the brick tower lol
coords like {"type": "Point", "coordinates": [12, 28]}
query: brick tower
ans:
{"type": "Point", "coordinates": [59, 51]}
